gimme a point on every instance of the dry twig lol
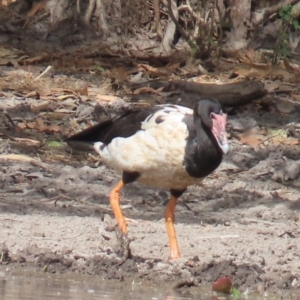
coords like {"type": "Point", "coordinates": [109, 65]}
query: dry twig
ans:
{"type": "Point", "coordinates": [24, 158]}
{"type": "Point", "coordinates": [89, 11]}
{"type": "Point", "coordinates": [43, 73]}
{"type": "Point", "coordinates": [157, 18]}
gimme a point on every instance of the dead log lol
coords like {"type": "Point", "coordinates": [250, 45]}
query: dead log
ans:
{"type": "Point", "coordinates": [231, 94]}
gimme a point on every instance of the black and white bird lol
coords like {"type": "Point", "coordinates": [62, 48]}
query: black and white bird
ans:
{"type": "Point", "coordinates": [165, 146]}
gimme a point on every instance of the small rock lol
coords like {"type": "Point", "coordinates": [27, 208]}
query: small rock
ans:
{"type": "Point", "coordinates": [222, 285]}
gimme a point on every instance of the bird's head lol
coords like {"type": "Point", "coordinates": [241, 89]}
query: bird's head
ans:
{"type": "Point", "coordinates": [212, 116]}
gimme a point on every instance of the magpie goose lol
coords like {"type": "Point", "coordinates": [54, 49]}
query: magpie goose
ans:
{"type": "Point", "coordinates": [164, 146]}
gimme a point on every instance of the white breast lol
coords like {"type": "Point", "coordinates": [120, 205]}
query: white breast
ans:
{"type": "Point", "coordinates": [156, 151]}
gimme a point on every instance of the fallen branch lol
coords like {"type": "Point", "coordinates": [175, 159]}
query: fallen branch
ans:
{"type": "Point", "coordinates": [232, 94]}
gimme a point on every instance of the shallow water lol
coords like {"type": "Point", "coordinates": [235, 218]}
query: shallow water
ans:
{"type": "Point", "coordinates": [29, 288]}
{"type": "Point", "coordinates": [53, 287]}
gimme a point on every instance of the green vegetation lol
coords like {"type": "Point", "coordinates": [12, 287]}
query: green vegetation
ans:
{"type": "Point", "coordinates": [236, 294]}
{"type": "Point", "coordinates": [289, 24]}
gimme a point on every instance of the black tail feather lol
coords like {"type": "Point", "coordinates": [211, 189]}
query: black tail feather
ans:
{"type": "Point", "coordinates": [91, 134]}
{"type": "Point", "coordinates": [84, 140]}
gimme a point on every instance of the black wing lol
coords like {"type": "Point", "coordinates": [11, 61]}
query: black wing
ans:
{"type": "Point", "coordinates": [124, 126]}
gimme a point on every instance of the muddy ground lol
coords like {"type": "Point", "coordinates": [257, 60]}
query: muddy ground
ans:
{"type": "Point", "coordinates": [242, 222]}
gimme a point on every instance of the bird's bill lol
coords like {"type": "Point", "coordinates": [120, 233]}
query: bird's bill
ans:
{"type": "Point", "coordinates": [219, 131]}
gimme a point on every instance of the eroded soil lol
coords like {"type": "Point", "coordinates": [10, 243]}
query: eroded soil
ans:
{"type": "Point", "coordinates": [242, 221]}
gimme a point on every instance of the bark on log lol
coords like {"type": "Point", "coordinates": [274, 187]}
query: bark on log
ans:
{"type": "Point", "coordinates": [232, 94]}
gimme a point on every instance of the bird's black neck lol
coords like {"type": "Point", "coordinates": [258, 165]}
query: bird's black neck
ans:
{"type": "Point", "coordinates": [202, 153]}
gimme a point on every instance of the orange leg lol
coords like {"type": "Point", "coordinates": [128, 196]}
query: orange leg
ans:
{"type": "Point", "coordinates": [169, 221]}
{"type": "Point", "coordinates": [114, 198]}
